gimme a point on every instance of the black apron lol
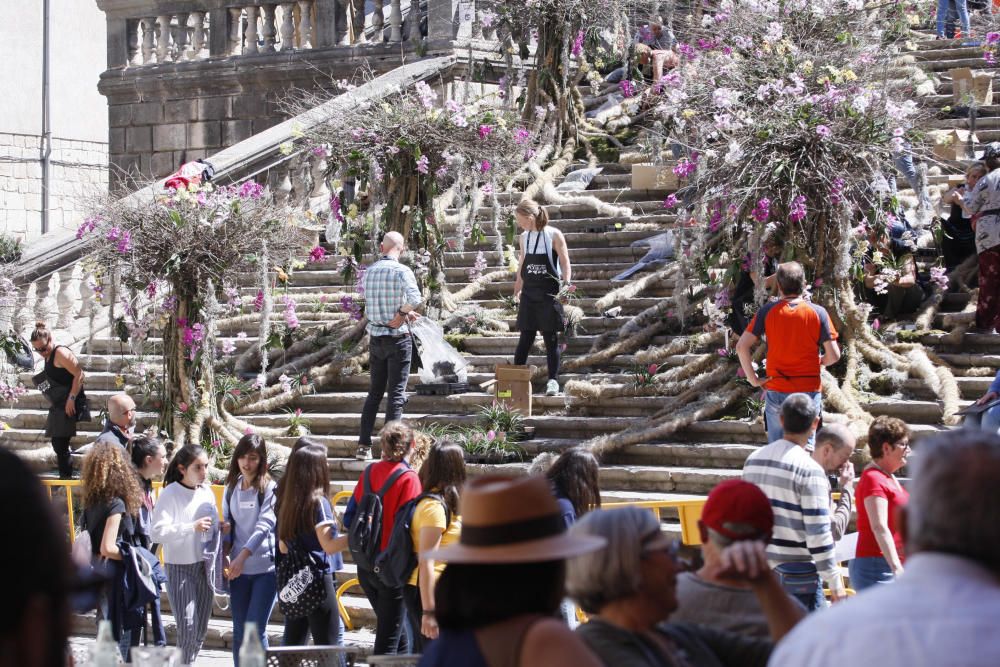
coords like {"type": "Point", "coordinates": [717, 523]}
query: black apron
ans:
{"type": "Point", "coordinates": [58, 424]}
{"type": "Point", "coordinates": [538, 309]}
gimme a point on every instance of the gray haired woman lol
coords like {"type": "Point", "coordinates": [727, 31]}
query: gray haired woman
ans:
{"type": "Point", "coordinates": [629, 590]}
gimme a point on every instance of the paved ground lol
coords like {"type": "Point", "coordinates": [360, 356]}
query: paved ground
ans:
{"type": "Point", "coordinates": [207, 658]}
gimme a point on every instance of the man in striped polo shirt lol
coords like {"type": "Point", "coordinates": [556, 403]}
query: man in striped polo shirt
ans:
{"type": "Point", "coordinates": [795, 329]}
{"type": "Point", "coordinates": [391, 295]}
{"type": "Point", "coordinates": [801, 549]}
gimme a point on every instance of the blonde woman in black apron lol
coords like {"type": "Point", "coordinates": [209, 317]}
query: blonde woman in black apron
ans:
{"type": "Point", "coordinates": [544, 267]}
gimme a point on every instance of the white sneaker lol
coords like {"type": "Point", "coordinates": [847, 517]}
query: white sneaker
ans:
{"type": "Point", "coordinates": [552, 388]}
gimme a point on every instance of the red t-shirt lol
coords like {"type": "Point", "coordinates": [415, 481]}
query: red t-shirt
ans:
{"type": "Point", "coordinates": [874, 482]}
{"type": "Point", "coordinates": [403, 490]}
{"type": "Point", "coordinates": [795, 331]}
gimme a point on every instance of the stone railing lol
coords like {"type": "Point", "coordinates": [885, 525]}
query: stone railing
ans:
{"type": "Point", "coordinates": [53, 286]}
{"type": "Point", "coordinates": [154, 32]}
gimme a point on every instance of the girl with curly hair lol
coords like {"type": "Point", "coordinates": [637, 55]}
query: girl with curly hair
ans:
{"type": "Point", "coordinates": [111, 500]}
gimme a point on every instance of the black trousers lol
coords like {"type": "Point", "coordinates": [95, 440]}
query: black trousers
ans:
{"type": "Point", "coordinates": [389, 364]}
{"type": "Point", "coordinates": [324, 623]}
{"type": "Point", "coordinates": [551, 340]}
{"type": "Point", "coordinates": [387, 603]}
{"type": "Point", "coordinates": [61, 447]}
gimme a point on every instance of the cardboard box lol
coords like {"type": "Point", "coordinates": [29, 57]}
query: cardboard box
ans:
{"type": "Point", "coordinates": [954, 145]}
{"type": "Point", "coordinates": [968, 86]}
{"type": "Point", "coordinates": [513, 387]}
{"type": "Point", "coordinates": [654, 177]}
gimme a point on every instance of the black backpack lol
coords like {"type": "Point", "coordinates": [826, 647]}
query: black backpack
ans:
{"type": "Point", "coordinates": [300, 582]}
{"type": "Point", "coordinates": [395, 565]}
{"type": "Point", "coordinates": [364, 537]}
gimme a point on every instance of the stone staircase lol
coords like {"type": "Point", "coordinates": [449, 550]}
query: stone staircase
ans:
{"type": "Point", "coordinates": [686, 466]}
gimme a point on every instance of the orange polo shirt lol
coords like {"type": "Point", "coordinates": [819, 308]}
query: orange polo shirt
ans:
{"type": "Point", "coordinates": [795, 330]}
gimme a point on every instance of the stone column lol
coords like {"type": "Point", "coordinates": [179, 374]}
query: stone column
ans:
{"type": "Point", "coordinates": [287, 30]}
{"type": "Point", "coordinates": [395, 21]}
{"type": "Point", "coordinates": [250, 37]}
{"type": "Point", "coordinates": [117, 43]}
{"type": "Point", "coordinates": [305, 31]}
{"type": "Point", "coordinates": [440, 21]}
{"type": "Point", "coordinates": [329, 22]}
{"type": "Point", "coordinates": [267, 30]}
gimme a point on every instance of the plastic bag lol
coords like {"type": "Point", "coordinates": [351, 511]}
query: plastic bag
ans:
{"type": "Point", "coordinates": [440, 361]}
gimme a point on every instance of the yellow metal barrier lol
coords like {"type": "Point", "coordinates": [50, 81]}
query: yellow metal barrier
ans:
{"type": "Point", "coordinates": [689, 512]}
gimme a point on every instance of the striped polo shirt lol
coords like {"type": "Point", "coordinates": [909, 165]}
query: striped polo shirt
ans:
{"type": "Point", "coordinates": [800, 496]}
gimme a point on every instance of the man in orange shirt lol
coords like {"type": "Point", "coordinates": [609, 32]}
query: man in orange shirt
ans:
{"type": "Point", "coordinates": [795, 329]}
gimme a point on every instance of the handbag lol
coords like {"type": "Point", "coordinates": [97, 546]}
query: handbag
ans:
{"type": "Point", "coordinates": [798, 578]}
{"type": "Point", "coordinates": [57, 395]}
{"type": "Point", "coordinates": [301, 590]}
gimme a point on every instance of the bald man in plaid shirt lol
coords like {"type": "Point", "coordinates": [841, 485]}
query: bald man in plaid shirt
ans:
{"type": "Point", "coordinates": [391, 295]}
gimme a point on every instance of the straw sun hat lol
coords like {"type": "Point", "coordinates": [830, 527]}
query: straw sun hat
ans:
{"type": "Point", "coordinates": [513, 520]}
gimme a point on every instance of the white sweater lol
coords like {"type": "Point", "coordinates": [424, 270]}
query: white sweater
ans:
{"type": "Point", "coordinates": [176, 510]}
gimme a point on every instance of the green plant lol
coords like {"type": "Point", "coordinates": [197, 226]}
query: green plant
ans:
{"type": "Point", "coordinates": [297, 424]}
{"type": "Point", "coordinates": [645, 376]}
{"type": "Point", "coordinates": [10, 249]}
{"type": "Point", "coordinates": [491, 444]}
{"type": "Point", "coordinates": [754, 406]}
{"type": "Point", "coordinates": [500, 418]}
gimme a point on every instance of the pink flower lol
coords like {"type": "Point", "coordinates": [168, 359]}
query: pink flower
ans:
{"type": "Point", "coordinates": [723, 352]}
{"type": "Point", "coordinates": [876, 325]}
{"type": "Point", "coordinates": [670, 201]}
{"type": "Point", "coordinates": [258, 302]}
{"type": "Point", "coordinates": [521, 135]}
{"type": "Point", "coordinates": [251, 190]}
{"type": "Point", "coordinates": [797, 211]}
{"type": "Point", "coordinates": [423, 165]}
{"type": "Point", "coordinates": [298, 412]}
{"type": "Point", "coordinates": [485, 166]}
{"type": "Point", "coordinates": [627, 88]}
{"type": "Point", "coordinates": [740, 373]}
{"type": "Point", "coordinates": [491, 436]}
{"type": "Point", "coordinates": [248, 431]}
{"type": "Point", "coordinates": [818, 282]}
{"type": "Point", "coordinates": [317, 254]}
{"type": "Point", "coordinates": [183, 407]}
{"type": "Point", "coordinates": [485, 131]}
{"type": "Point", "coordinates": [762, 210]}
{"type": "Point", "coordinates": [652, 369]}
{"type": "Point", "coordinates": [577, 44]}
{"type": "Point", "coordinates": [823, 131]}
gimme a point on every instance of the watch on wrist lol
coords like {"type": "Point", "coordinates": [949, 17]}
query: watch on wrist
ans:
{"type": "Point", "coordinates": [72, 397]}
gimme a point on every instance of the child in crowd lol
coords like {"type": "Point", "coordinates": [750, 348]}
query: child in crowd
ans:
{"type": "Point", "coordinates": [183, 520]}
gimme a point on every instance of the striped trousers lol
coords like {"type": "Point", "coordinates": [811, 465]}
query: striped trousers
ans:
{"type": "Point", "coordinates": [191, 601]}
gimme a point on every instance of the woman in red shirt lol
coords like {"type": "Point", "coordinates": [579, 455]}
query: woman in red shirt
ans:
{"type": "Point", "coordinates": [879, 556]}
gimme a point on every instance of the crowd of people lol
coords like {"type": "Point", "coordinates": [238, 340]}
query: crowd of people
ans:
{"type": "Point", "coordinates": [493, 561]}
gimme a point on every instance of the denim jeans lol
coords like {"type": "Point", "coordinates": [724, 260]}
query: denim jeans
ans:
{"type": "Point", "coordinates": [869, 571]}
{"type": "Point", "coordinates": [772, 413]}
{"type": "Point", "coordinates": [801, 581]}
{"type": "Point", "coordinates": [389, 361]}
{"type": "Point", "coordinates": [252, 598]}
{"type": "Point", "coordinates": [324, 623]}
{"type": "Point", "coordinates": [963, 16]}
{"type": "Point", "coordinates": [389, 608]}
{"type": "Point", "coordinates": [987, 421]}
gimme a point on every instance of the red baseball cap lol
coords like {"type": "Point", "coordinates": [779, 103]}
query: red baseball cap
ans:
{"type": "Point", "coordinates": [735, 504]}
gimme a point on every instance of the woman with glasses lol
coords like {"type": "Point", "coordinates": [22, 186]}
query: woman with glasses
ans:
{"type": "Point", "coordinates": [629, 590]}
{"type": "Point", "coordinates": [879, 555]}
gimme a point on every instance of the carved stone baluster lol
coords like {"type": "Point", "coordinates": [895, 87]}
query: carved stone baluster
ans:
{"type": "Point", "coordinates": [24, 320]}
{"type": "Point", "coordinates": [319, 197]}
{"type": "Point", "coordinates": [148, 34]}
{"type": "Point", "coordinates": [181, 40]}
{"type": "Point", "coordinates": [281, 185]}
{"type": "Point", "coordinates": [305, 33]}
{"type": "Point", "coordinates": [413, 22]}
{"type": "Point", "coordinates": [250, 36]}
{"type": "Point", "coordinates": [343, 22]}
{"type": "Point", "coordinates": [132, 35]}
{"type": "Point", "coordinates": [300, 194]}
{"type": "Point", "coordinates": [287, 30]}
{"type": "Point", "coordinates": [267, 29]}
{"type": "Point", "coordinates": [477, 24]}
{"type": "Point", "coordinates": [46, 308]}
{"type": "Point", "coordinates": [68, 299]}
{"type": "Point", "coordinates": [395, 21]}
{"type": "Point", "coordinates": [198, 42]}
{"type": "Point", "coordinates": [235, 47]}
{"type": "Point", "coordinates": [163, 38]}
{"type": "Point", "coordinates": [378, 23]}
{"type": "Point", "coordinates": [87, 306]}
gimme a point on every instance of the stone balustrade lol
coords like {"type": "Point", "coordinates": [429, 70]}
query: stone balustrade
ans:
{"type": "Point", "coordinates": [154, 32]}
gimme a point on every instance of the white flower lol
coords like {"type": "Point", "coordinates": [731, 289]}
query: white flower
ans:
{"type": "Point", "coordinates": [725, 97]}
{"type": "Point", "coordinates": [735, 153]}
{"type": "Point", "coordinates": [774, 32]}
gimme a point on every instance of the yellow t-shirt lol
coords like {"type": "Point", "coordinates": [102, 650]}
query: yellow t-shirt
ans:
{"type": "Point", "coordinates": [430, 512]}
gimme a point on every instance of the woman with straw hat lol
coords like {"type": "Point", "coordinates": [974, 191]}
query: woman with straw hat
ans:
{"type": "Point", "coordinates": [497, 600]}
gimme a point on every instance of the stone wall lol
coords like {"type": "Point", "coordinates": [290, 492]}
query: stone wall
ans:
{"type": "Point", "coordinates": [79, 171]}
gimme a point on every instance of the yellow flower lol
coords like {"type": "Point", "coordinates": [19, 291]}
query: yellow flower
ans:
{"type": "Point", "coordinates": [119, 381]}
{"type": "Point", "coordinates": [297, 131]}
{"type": "Point", "coordinates": [807, 67]}
{"type": "Point", "coordinates": [337, 184]}
{"type": "Point", "coordinates": [823, 79]}
{"type": "Point", "coordinates": [688, 113]}
{"type": "Point", "coordinates": [4, 426]}
{"type": "Point", "coordinates": [285, 148]}
{"type": "Point", "coordinates": [352, 211]}
{"type": "Point", "coordinates": [848, 75]}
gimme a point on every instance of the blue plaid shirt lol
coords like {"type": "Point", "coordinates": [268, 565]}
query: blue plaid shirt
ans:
{"type": "Point", "coordinates": [389, 286]}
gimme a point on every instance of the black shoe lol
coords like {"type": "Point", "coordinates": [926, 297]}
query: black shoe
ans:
{"type": "Point", "coordinates": [363, 453]}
